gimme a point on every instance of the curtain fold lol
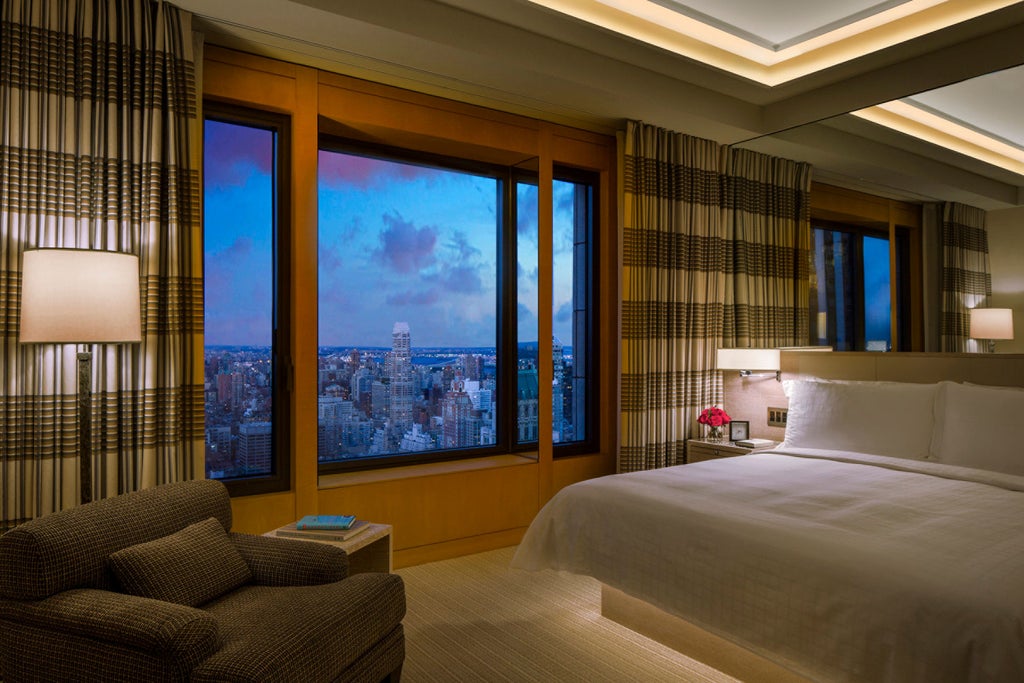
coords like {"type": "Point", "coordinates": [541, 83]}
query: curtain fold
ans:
{"type": "Point", "coordinates": [100, 132]}
{"type": "Point", "coordinates": [966, 278]}
{"type": "Point", "coordinates": [716, 252]}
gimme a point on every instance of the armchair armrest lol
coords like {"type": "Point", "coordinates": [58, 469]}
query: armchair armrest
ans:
{"type": "Point", "coordinates": [286, 562]}
{"type": "Point", "coordinates": [163, 629]}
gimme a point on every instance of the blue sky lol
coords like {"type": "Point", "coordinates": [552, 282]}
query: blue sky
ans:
{"type": "Point", "coordinates": [398, 242]}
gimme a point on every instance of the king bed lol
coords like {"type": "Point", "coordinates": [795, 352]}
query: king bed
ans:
{"type": "Point", "coordinates": [883, 541]}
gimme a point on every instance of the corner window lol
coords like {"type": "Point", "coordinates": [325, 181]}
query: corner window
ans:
{"type": "Point", "coordinates": [245, 402]}
{"type": "Point", "coordinates": [428, 308]}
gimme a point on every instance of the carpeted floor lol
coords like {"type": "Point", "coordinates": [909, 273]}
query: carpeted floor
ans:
{"type": "Point", "coordinates": [474, 619]}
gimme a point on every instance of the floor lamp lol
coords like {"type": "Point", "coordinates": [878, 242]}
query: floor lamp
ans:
{"type": "Point", "coordinates": [80, 296]}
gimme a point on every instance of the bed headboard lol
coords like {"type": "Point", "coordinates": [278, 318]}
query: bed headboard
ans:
{"type": "Point", "coordinates": [750, 398]}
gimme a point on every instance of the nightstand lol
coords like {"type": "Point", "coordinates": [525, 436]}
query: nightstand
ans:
{"type": "Point", "coordinates": [699, 449]}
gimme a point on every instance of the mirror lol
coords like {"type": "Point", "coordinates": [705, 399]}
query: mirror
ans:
{"type": "Point", "coordinates": [973, 154]}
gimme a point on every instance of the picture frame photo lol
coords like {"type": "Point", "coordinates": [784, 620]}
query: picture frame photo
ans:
{"type": "Point", "coordinates": [739, 430]}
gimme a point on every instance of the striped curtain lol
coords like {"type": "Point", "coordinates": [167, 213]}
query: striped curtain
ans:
{"type": "Point", "coordinates": [768, 253]}
{"type": "Point", "coordinates": [100, 131]}
{"type": "Point", "coordinates": [966, 279]}
{"type": "Point", "coordinates": [673, 288]}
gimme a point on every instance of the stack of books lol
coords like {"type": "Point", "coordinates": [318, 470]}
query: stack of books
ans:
{"type": "Point", "coordinates": [324, 528]}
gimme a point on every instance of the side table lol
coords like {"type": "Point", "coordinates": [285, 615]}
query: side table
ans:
{"type": "Point", "coordinates": [368, 551]}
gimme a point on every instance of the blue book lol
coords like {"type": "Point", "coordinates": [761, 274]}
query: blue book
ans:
{"type": "Point", "coordinates": [325, 522]}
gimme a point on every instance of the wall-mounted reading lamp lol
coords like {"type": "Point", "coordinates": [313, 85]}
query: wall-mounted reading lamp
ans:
{"type": "Point", "coordinates": [991, 324]}
{"type": "Point", "coordinates": [747, 361]}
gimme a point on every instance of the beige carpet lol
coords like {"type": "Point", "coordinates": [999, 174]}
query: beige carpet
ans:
{"type": "Point", "coordinates": [474, 619]}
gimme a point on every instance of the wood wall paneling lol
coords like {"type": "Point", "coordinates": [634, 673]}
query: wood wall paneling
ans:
{"type": "Point", "coordinates": [445, 509]}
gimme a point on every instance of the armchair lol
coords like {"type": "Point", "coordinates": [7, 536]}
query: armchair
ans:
{"type": "Point", "coordinates": [152, 586]}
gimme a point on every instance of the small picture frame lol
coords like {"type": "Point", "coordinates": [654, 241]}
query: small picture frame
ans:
{"type": "Point", "coordinates": [739, 430]}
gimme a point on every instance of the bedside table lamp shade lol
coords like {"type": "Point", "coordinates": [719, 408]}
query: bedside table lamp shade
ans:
{"type": "Point", "coordinates": [991, 323]}
{"type": "Point", "coordinates": [79, 296]}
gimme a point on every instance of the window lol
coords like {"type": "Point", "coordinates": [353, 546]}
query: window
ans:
{"type": "Point", "coordinates": [571, 308]}
{"type": "Point", "coordinates": [425, 339]}
{"type": "Point", "coordinates": [245, 402]}
{"type": "Point", "coordinates": [851, 302]}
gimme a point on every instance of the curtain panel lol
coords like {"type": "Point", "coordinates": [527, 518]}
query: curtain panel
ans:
{"type": "Point", "coordinates": [99, 129]}
{"type": "Point", "coordinates": [673, 291]}
{"type": "Point", "coordinates": [966, 278]}
{"type": "Point", "coordinates": [716, 253]}
{"type": "Point", "coordinates": [768, 215]}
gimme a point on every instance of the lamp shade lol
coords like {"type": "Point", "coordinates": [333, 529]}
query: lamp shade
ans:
{"type": "Point", "coordinates": [749, 359]}
{"type": "Point", "coordinates": [79, 296]}
{"type": "Point", "coordinates": [991, 323]}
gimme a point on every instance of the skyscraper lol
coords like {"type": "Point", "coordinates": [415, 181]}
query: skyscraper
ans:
{"type": "Point", "coordinates": [401, 376]}
{"type": "Point", "coordinates": [255, 441]}
{"type": "Point", "coordinates": [558, 367]}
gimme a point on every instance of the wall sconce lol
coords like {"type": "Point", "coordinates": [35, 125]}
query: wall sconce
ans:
{"type": "Point", "coordinates": [991, 324]}
{"type": "Point", "coordinates": [80, 296]}
{"type": "Point", "coordinates": [749, 360]}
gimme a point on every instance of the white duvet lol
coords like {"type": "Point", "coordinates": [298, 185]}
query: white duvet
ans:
{"type": "Point", "coordinates": [840, 566]}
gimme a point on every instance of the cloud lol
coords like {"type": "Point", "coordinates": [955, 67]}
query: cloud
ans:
{"type": "Point", "coordinates": [531, 275]}
{"type": "Point", "coordinates": [459, 280]}
{"type": "Point", "coordinates": [460, 244]}
{"type": "Point", "coordinates": [337, 168]}
{"type": "Point", "coordinates": [526, 212]}
{"type": "Point", "coordinates": [235, 153]}
{"type": "Point", "coordinates": [564, 313]}
{"type": "Point", "coordinates": [405, 248]}
{"type": "Point", "coordinates": [423, 297]}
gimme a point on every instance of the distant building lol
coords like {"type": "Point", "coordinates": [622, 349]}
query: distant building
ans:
{"type": "Point", "coordinates": [224, 389]}
{"type": "Point", "coordinates": [527, 398]}
{"type": "Point", "coordinates": [380, 400]}
{"type": "Point", "coordinates": [416, 440]}
{"type": "Point", "coordinates": [400, 374]}
{"type": "Point", "coordinates": [558, 409]}
{"type": "Point", "coordinates": [461, 424]}
{"type": "Point", "coordinates": [473, 366]}
{"type": "Point", "coordinates": [255, 447]}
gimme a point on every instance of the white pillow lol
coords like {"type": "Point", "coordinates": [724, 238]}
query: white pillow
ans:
{"type": "Point", "coordinates": [882, 418]}
{"type": "Point", "coordinates": [979, 426]}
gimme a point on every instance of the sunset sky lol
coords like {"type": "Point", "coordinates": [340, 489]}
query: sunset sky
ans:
{"type": "Point", "coordinates": [397, 243]}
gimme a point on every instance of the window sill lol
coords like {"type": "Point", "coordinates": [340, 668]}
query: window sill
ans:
{"type": "Point", "coordinates": [342, 479]}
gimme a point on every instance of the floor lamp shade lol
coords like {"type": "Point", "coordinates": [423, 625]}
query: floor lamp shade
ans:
{"type": "Point", "coordinates": [80, 296]}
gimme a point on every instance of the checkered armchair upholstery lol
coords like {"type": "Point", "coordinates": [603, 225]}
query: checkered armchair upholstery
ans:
{"type": "Point", "coordinates": [76, 599]}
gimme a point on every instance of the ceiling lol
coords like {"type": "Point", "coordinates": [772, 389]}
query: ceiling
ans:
{"type": "Point", "coordinates": [776, 76]}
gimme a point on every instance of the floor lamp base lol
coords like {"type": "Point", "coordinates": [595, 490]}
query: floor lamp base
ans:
{"type": "Point", "coordinates": [85, 424]}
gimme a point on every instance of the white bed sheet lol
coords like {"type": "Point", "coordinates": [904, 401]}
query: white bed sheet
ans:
{"type": "Point", "coordinates": [840, 566]}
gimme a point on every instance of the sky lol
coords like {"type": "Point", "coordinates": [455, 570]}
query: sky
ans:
{"type": "Point", "coordinates": [397, 242]}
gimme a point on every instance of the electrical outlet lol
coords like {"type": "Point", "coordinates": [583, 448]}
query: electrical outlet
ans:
{"type": "Point", "coordinates": [777, 417]}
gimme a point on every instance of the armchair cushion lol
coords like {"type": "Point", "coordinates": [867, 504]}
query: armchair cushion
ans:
{"type": "Point", "coordinates": [189, 567]}
{"type": "Point", "coordinates": [303, 633]}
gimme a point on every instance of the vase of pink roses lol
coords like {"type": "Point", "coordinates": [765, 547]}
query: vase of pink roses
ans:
{"type": "Point", "coordinates": [714, 419]}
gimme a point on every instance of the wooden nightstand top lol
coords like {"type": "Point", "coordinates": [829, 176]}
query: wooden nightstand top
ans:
{"type": "Point", "coordinates": [698, 450]}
